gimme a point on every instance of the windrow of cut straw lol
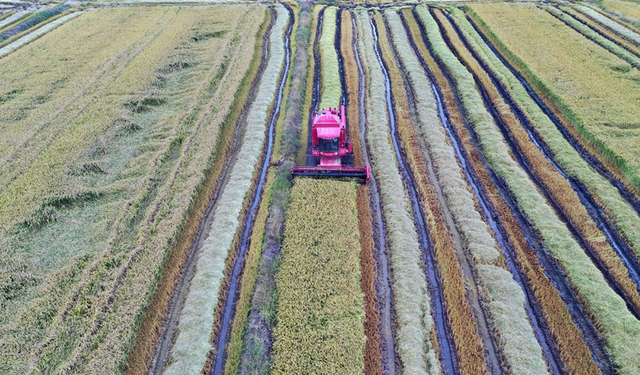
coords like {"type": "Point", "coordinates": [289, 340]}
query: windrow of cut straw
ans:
{"type": "Point", "coordinates": [622, 215]}
{"type": "Point", "coordinates": [505, 299]}
{"type": "Point", "coordinates": [411, 297]}
{"type": "Point", "coordinates": [574, 352]}
{"type": "Point", "coordinates": [196, 319]}
{"type": "Point", "coordinates": [467, 342]}
{"type": "Point", "coordinates": [618, 325]}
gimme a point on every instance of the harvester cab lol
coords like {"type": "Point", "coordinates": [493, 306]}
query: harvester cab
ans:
{"type": "Point", "coordinates": [330, 153]}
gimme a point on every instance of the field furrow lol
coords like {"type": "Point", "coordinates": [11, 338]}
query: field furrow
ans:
{"type": "Point", "coordinates": [588, 281]}
{"type": "Point", "coordinates": [411, 297]}
{"type": "Point", "coordinates": [549, 178]}
{"type": "Point", "coordinates": [196, 320]}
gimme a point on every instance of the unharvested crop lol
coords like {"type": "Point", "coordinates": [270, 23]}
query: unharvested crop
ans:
{"type": "Point", "coordinates": [331, 89]}
{"type": "Point", "coordinates": [196, 319]}
{"type": "Point", "coordinates": [320, 306]}
{"type": "Point", "coordinates": [554, 58]}
{"type": "Point", "coordinates": [618, 325]}
{"type": "Point", "coordinates": [415, 324]}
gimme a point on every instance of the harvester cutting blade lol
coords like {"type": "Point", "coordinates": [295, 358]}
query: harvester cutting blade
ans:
{"type": "Point", "coordinates": [346, 172]}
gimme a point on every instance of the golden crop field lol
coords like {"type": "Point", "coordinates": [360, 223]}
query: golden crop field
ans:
{"type": "Point", "coordinates": [152, 220]}
{"type": "Point", "coordinates": [106, 145]}
{"type": "Point", "coordinates": [320, 308]}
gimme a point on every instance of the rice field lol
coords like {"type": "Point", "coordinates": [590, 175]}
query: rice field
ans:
{"type": "Point", "coordinates": [98, 117]}
{"type": "Point", "coordinates": [149, 221]}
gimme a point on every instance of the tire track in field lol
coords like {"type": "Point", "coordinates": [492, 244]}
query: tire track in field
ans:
{"type": "Point", "coordinates": [627, 194]}
{"type": "Point", "coordinates": [591, 206]}
{"type": "Point", "coordinates": [552, 269]}
{"type": "Point", "coordinates": [448, 357]}
{"type": "Point", "coordinates": [238, 267]}
{"type": "Point", "coordinates": [383, 268]}
{"type": "Point", "coordinates": [169, 326]}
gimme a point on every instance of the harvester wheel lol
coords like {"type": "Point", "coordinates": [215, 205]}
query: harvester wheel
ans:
{"type": "Point", "coordinates": [312, 161]}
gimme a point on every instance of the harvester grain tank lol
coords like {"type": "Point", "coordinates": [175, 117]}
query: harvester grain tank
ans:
{"type": "Point", "coordinates": [331, 154]}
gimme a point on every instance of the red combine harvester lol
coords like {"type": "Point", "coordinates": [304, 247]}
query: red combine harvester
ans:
{"type": "Point", "coordinates": [330, 154]}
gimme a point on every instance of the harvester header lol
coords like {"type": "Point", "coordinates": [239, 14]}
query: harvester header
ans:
{"type": "Point", "coordinates": [330, 153]}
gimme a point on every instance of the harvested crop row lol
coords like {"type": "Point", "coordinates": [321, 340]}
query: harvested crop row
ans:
{"type": "Point", "coordinates": [622, 215]}
{"type": "Point", "coordinates": [415, 324]}
{"type": "Point", "coordinates": [179, 265]}
{"type": "Point", "coordinates": [320, 310]}
{"type": "Point", "coordinates": [610, 24]}
{"type": "Point", "coordinates": [505, 298]}
{"type": "Point", "coordinates": [37, 19]}
{"type": "Point", "coordinates": [173, 199]}
{"type": "Point", "coordinates": [594, 36]}
{"type": "Point", "coordinates": [577, 94]}
{"type": "Point", "coordinates": [331, 90]}
{"type": "Point", "coordinates": [624, 12]}
{"type": "Point", "coordinates": [603, 30]}
{"type": "Point", "coordinates": [575, 354]}
{"type": "Point", "coordinates": [257, 340]}
{"type": "Point", "coordinates": [315, 29]}
{"type": "Point", "coordinates": [31, 36]}
{"type": "Point", "coordinates": [196, 321]}
{"type": "Point", "coordinates": [257, 243]}
{"type": "Point", "coordinates": [11, 18]}
{"type": "Point", "coordinates": [468, 345]}
{"type": "Point", "coordinates": [557, 189]}
{"type": "Point", "coordinates": [618, 326]}
{"type": "Point", "coordinates": [372, 350]}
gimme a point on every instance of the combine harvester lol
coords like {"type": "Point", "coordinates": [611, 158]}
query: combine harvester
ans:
{"type": "Point", "coordinates": [330, 154]}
